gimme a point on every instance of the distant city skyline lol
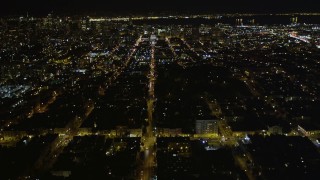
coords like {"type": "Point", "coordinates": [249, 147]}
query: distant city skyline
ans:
{"type": "Point", "coordinates": [34, 7]}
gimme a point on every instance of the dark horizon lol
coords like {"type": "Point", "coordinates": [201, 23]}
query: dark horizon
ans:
{"type": "Point", "coordinates": [170, 89]}
{"type": "Point", "coordinates": [104, 7]}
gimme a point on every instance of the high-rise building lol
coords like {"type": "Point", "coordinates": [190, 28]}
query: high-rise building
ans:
{"type": "Point", "coordinates": [294, 20]}
{"type": "Point", "coordinates": [239, 22]}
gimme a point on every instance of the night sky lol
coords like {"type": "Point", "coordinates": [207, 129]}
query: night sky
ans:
{"type": "Point", "coordinates": [42, 7]}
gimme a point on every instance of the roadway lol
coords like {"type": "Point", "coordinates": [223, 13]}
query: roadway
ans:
{"type": "Point", "coordinates": [229, 140]}
{"type": "Point", "coordinates": [148, 138]}
{"type": "Point", "coordinates": [49, 156]}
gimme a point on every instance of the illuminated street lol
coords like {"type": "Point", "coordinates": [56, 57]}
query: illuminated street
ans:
{"type": "Point", "coordinates": [149, 138]}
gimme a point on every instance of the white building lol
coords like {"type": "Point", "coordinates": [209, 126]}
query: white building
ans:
{"type": "Point", "coordinates": [206, 127]}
